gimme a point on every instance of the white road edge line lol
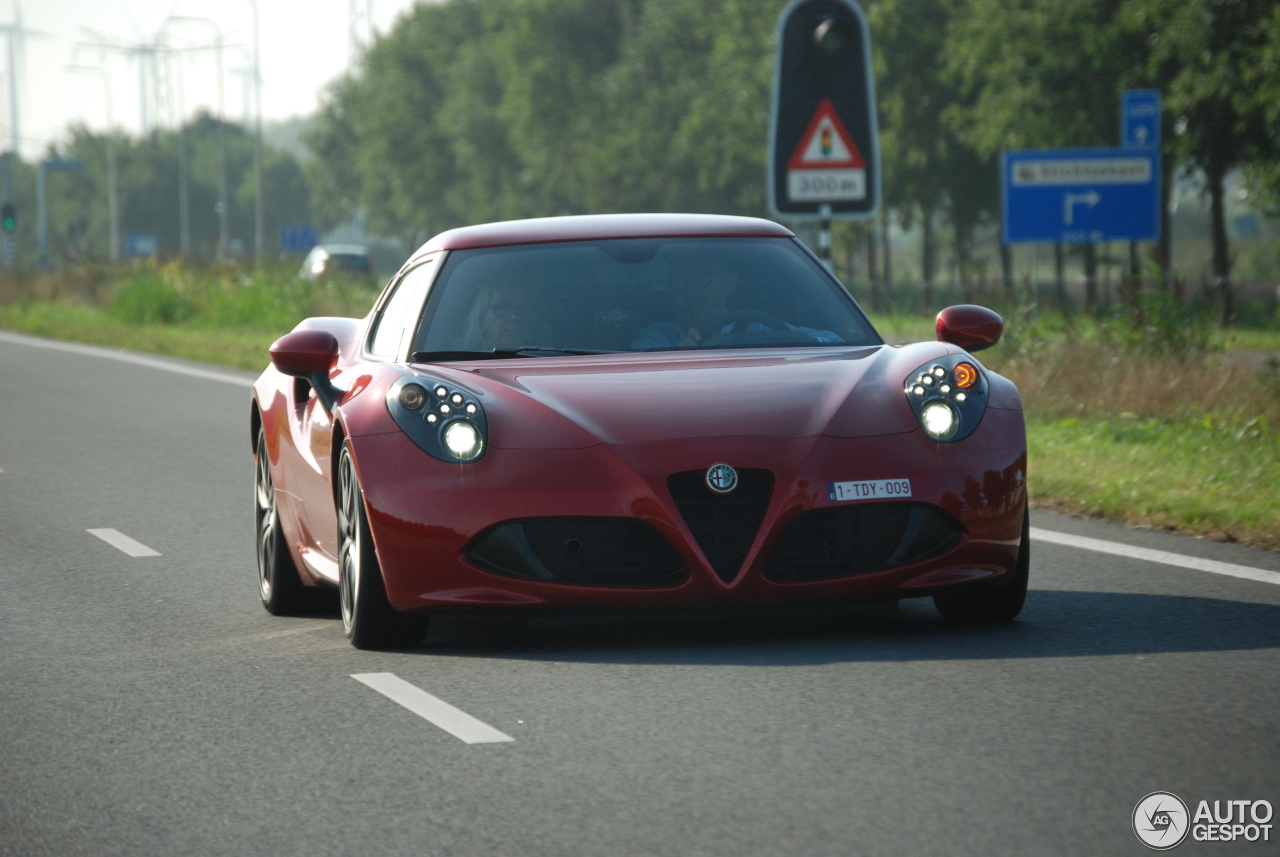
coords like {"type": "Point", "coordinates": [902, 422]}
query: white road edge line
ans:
{"type": "Point", "coordinates": [1164, 557]}
{"type": "Point", "coordinates": [124, 357]}
{"type": "Point", "coordinates": [119, 540]}
{"type": "Point", "coordinates": [455, 721]}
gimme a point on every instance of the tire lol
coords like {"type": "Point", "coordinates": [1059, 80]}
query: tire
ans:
{"type": "Point", "coordinates": [368, 620]}
{"type": "Point", "coordinates": [279, 586]}
{"type": "Point", "coordinates": [987, 605]}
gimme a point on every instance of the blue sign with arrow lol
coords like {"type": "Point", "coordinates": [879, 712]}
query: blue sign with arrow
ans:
{"type": "Point", "coordinates": [1080, 196]}
{"type": "Point", "coordinates": [1140, 118]}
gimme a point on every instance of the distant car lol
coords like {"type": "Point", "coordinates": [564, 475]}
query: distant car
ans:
{"type": "Point", "coordinates": [632, 411]}
{"type": "Point", "coordinates": [327, 260]}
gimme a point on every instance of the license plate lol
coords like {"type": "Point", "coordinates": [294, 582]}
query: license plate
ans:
{"type": "Point", "coordinates": [878, 489]}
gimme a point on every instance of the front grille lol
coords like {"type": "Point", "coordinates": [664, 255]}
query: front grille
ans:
{"type": "Point", "coordinates": [724, 525]}
{"type": "Point", "coordinates": [849, 540]}
{"type": "Point", "coordinates": [594, 551]}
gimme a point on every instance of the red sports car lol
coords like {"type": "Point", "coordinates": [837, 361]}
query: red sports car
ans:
{"type": "Point", "coordinates": [632, 412]}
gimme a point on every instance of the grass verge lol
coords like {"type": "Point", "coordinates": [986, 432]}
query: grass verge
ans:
{"type": "Point", "coordinates": [1217, 481]}
{"type": "Point", "coordinates": [235, 348]}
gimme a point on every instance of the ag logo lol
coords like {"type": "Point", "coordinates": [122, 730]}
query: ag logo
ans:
{"type": "Point", "coordinates": [1160, 820]}
{"type": "Point", "coordinates": [721, 478]}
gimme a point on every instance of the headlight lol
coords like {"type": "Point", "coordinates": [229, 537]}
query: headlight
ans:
{"type": "Point", "coordinates": [939, 419]}
{"type": "Point", "coordinates": [462, 438]}
{"type": "Point", "coordinates": [445, 421]}
{"type": "Point", "coordinates": [413, 396]}
{"type": "Point", "coordinates": [948, 396]}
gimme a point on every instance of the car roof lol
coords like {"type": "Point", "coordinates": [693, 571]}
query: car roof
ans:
{"type": "Point", "coordinates": [603, 226]}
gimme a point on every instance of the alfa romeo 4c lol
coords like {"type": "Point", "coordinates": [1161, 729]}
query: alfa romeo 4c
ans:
{"type": "Point", "coordinates": [632, 412]}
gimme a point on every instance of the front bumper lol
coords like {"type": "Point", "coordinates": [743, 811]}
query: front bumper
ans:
{"type": "Point", "coordinates": [423, 513]}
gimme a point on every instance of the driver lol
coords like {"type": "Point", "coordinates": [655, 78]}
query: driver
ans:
{"type": "Point", "coordinates": [509, 317]}
{"type": "Point", "coordinates": [701, 295]}
{"type": "Point", "coordinates": [701, 292]}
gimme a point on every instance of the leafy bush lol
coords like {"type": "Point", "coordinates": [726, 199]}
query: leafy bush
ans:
{"type": "Point", "coordinates": [149, 298]}
{"type": "Point", "coordinates": [263, 299]}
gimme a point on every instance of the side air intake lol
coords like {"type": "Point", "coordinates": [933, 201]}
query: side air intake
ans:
{"type": "Point", "coordinates": [850, 540]}
{"type": "Point", "coordinates": [593, 551]}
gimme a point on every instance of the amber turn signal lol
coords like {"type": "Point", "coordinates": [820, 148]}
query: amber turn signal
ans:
{"type": "Point", "coordinates": [966, 375]}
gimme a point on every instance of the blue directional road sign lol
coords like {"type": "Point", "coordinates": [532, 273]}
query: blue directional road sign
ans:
{"type": "Point", "coordinates": [1140, 118]}
{"type": "Point", "coordinates": [141, 245]}
{"type": "Point", "coordinates": [1080, 196]}
{"type": "Point", "coordinates": [54, 165]}
{"type": "Point", "coordinates": [297, 238]}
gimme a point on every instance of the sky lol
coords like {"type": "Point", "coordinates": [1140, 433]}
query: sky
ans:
{"type": "Point", "coordinates": [304, 45]}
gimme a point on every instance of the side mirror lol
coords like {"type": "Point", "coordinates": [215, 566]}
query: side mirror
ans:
{"type": "Point", "coordinates": [971, 327]}
{"type": "Point", "coordinates": [309, 354]}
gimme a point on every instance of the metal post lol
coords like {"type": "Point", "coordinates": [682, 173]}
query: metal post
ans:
{"type": "Point", "coordinates": [6, 161]}
{"type": "Point", "coordinates": [43, 227]}
{"type": "Point", "coordinates": [113, 197]}
{"type": "Point", "coordinates": [184, 194]}
{"type": "Point", "coordinates": [258, 235]}
{"type": "Point", "coordinates": [824, 235]}
{"type": "Point", "coordinates": [9, 254]}
{"type": "Point", "coordinates": [224, 213]}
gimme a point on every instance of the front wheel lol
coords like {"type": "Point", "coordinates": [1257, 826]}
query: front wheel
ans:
{"type": "Point", "coordinates": [368, 619]}
{"type": "Point", "coordinates": [279, 586]}
{"type": "Point", "coordinates": [1000, 605]}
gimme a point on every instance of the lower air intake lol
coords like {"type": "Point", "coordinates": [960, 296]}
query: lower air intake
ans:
{"type": "Point", "coordinates": [724, 525]}
{"type": "Point", "coordinates": [592, 551]}
{"type": "Point", "coordinates": [850, 540]}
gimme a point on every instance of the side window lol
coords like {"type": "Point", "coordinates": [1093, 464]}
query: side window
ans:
{"type": "Point", "coordinates": [399, 311]}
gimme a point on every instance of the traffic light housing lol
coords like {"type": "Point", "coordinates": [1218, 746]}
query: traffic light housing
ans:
{"type": "Point", "coordinates": [824, 158]}
{"type": "Point", "coordinates": [9, 217]}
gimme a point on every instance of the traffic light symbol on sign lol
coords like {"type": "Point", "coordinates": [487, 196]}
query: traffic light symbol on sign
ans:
{"type": "Point", "coordinates": [827, 165]}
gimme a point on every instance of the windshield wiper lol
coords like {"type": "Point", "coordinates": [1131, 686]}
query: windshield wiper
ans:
{"type": "Point", "coordinates": [551, 352]}
{"type": "Point", "coordinates": [450, 356]}
{"type": "Point", "coordinates": [498, 354]}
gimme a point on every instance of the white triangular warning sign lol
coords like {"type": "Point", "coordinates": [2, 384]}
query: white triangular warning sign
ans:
{"type": "Point", "coordinates": [826, 144]}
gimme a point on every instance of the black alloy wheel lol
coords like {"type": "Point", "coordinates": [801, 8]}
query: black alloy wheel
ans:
{"type": "Point", "coordinates": [368, 619]}
{"type": "Point", "coordinates": [993, 605]}
{"type": "Point", "coordinates": [279, 586]}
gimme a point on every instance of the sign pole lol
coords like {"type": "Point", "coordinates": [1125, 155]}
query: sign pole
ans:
{"type": "Point", "coordinates": [824, 235]}
{"type": "Point", "coordinates": [6, 167]}
{"type": "Point", "coordinates": [43, 228]}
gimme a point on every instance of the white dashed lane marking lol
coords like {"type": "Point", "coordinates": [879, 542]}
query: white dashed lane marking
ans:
{"type": "Point", "coordinates": [1164, 557]}
{"type": "Point", "coordinates": [455, 721]}
{"type": "Point", "coordinates": [120, 541]}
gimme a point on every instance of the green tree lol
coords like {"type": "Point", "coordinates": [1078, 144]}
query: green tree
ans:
{"type": "Point", "coordinates": [148, 181]}
{"type": "Point", "coordinates": [928, 166]}
{"type": "Point", "coordinates": [1219, 64]}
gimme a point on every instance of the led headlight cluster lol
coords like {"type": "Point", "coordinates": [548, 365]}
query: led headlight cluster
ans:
{"type": "Point", "coordinates": [444, 420]}
{"type": "Point", "coordinates": [949, 397]}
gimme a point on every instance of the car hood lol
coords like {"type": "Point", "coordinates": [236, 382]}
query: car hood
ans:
{"type": "Point", "coordinates": [568, 402]}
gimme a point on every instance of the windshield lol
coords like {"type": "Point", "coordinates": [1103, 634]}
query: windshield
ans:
{"type": "Point", "coordinates": [349, 262]}
{"type": "Point", "coordinates": [643, 294]}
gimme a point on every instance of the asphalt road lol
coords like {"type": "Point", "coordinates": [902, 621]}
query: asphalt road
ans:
{"type": "Point", "coordinates": [149, 706]}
